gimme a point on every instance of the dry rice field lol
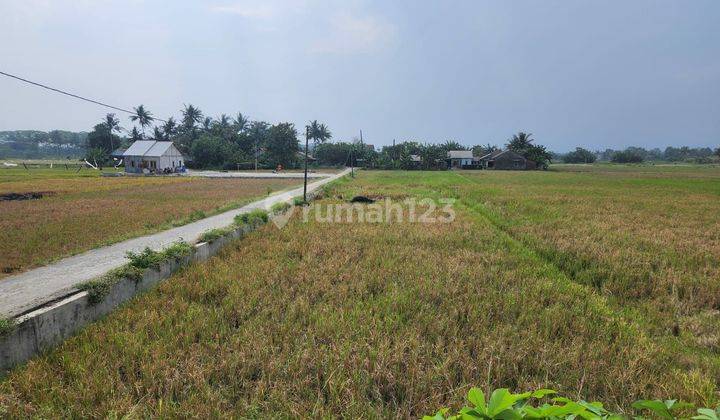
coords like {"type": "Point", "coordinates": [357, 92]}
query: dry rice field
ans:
{"type": "Point", "coordinates": [80, 211]}
{"type": "Point", "coordinates": [597, 281]}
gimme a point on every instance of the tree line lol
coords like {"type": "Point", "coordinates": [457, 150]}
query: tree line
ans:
{"type": "Point", "coordinates": [224, 142]}
{"type": "Point", "coordinates": [418, 155]}
{"type": "Point", "coordinates": [639, 155]}
{"type": "Point", "coordinates": [33, 144]}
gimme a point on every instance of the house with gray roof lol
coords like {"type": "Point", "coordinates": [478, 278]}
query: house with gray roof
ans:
{"type": "Point", "coordinates": [151, 156]}
{"type": "Point", "coordinates": [458, 159]}
{"type": "Point", "coordinates": [506, 160]}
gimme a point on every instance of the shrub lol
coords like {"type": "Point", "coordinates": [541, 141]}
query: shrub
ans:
{"type": "Point", "coordinates": [6, 326]}
{"type": "Point", "coordinates": [626, 156]}
{"type": "Point", "coordinates": [505, 405]}
{"type": "Point", "coordinates": [149, 258]}
{"type": "Point", "coordinates": [252, 217]}
{"type": "Point", "coordinates": [280, 207]}
{"type": "Point", "coordinates": [297, 201]}
{"type": "Point", "coordinates": [213, 234]}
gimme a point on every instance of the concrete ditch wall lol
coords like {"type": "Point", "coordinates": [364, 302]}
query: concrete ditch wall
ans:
{"type": "Point", "coordinates": [46, 327]}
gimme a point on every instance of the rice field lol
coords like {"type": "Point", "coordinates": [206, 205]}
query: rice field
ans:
{"type": "Point", "coordinates": [597, 281]}
{"type": "Point", "coordinates": [81, 210]}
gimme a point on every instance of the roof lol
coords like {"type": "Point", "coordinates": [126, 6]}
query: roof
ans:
{"type": "Point", "coordinates": [118, 152]}
{"type": "Point", "coordinates": [460, 154]}
{"type": "Point", "coordinates": [492, 154]}
{"type": "Point", "coordinates": [415, 158]}
{"type": "Point", "coordinates": [150, 148]}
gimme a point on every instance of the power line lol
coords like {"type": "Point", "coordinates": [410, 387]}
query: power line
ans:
{"type": "Point", "coordinates": [73, 95]}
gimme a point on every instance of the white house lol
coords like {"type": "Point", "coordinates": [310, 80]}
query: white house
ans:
{"type": "Point", "coordinates": [459, 158]}
{"type": "Point", "coordinates": [150, 156]}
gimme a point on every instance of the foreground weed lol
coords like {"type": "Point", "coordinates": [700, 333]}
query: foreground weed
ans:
{"type": "Point", "coordinates": [257, 216]}
{"type": "Point", "coordinates": [6, 326]}
{"type": "Point", "coordinates": [505, 405]}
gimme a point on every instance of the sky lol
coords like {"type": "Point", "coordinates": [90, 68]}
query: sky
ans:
{"type": "Point", "coordinates": [597, 74]}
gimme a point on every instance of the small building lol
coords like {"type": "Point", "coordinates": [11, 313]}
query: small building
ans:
{"type": "Point", "coordinates": [506, 160]}
{"type": "Point", "coordinates": [151, 156]}
{"type": "Point", "coordinates": [458, 159]}
{"type": "Point", "coordinates": [415, 162]}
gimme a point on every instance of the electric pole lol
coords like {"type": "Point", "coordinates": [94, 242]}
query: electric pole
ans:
{"type": "Point", "coordinates": [307, 135]}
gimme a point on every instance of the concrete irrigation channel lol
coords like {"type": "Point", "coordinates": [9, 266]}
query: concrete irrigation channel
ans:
{"type": "Point", "coordinates": [46, 305]}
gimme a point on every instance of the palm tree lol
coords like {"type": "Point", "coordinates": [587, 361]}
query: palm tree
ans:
{"type": "Point", "coordinates": [191, 115]}
{"type": "Point", "coordinates": [207, 123]}
{"type": "Point", "coordinates": [158, 133]}
{"type": "Point", "coordinates": [135, 134]}
{"type": "Point", "coordinates": [113, 125]}
{"type": "Point", "coordinates": [143, 117]}
{"type": "Point", "coordinates": [323, 134]}
{"type": "Point", "coordinates": [318, 132]}
{"type": "Point", "coordinates": [241, 122]}
{"type": "Point", "coordinates": [169, 128]}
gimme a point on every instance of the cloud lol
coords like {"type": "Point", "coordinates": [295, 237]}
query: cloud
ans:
{"type": "Point", "coordinates": [351, 34]}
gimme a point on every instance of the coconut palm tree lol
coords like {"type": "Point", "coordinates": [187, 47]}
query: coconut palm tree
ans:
{"type": "Point", "coordinates": [207, 123]}
{"type": "Point", "coordinates": [241, 122]}
{"type": "Point", "coordinates": [323, 134]}
{"type": "Point", "coordinates": [158, 133]}
{"type": "Point", "coordinates": [143, 117]}
{"type": "Point", "coordinates": [191, 115]}
{"type": "Point", "coordinates": [113, 125]}
{"type": "Point", "coordinates": [169, 128]}
{"type": "Point", "coordinates": [135, 134]}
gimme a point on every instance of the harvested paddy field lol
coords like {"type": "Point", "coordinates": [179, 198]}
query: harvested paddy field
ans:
{"type": "Point", "coordinates": [56, 213]}
{"type": "Point", "coordinates": [597, 281]}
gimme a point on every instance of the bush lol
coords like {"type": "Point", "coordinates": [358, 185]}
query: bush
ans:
{"type": "Point", "coordinates": [213, 234]}
{"type": "Point", "coordinates": [505, 405]}
{"type": "Point", "coordinates": [6, 326]}
{"type": "Point", "coordinates": [252, 217]}
{"type": "Point", "coordinates": [280, 207]}
{"type": "Point", "coordinates": [626, 156]}
{"type": "Point", "coordinates": [580, 155]}
{"type": "Point", "coordinates": [297, 201]}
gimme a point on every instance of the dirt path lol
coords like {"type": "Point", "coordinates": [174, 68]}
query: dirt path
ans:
{"type": "Point", "coordinates": [22, 292]}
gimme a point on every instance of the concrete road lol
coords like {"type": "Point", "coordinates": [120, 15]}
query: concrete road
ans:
{"type": "Point", "coordinates": [256, 175]}
{"type": "Point", "coordinates": [25, 291]}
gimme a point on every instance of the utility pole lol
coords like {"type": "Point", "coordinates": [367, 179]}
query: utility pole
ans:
{"type": "Point", "coordinates": [307, 135]}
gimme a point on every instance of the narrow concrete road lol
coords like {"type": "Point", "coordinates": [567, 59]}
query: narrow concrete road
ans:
{"type": "Point", "coordinates": [255, 175]}
{"type": "Point", "coordinates": [28, 290]}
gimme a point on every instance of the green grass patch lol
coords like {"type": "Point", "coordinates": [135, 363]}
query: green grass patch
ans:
{"type": "Point", "coordinates": [252, 217]}
{"type": "Point", "coordinates": [6, 326]}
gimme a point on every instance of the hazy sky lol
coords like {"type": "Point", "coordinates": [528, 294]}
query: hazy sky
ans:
{"type": "Point", "coordinates": [592, 73]}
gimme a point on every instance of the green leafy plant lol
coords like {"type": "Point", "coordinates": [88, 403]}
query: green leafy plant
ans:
{"type": "Point", "coordinates": [503, 404]}
{"type": "Point", "coordinates": [297, 201]}
{"type": "Point", "coordinates": [213, 234]}
{"type": "Point", "coordinates": [6, 326]}
{"type": "Point", "coordinates": [280, 207]}
{"type": "Point", "coordinates": [148, 258]}
{"type": "Point", "coordinates": [252, 217]}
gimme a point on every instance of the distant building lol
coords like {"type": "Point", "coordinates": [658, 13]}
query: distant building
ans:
{"type": "Point", "coordinates": [458, 159]}
{"type": "Point", "coordinates": [416, 161]}
{"type": "Point", "coordinates": [506, 160]}
{"type": "Point", "coordinates": [150, 156]}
